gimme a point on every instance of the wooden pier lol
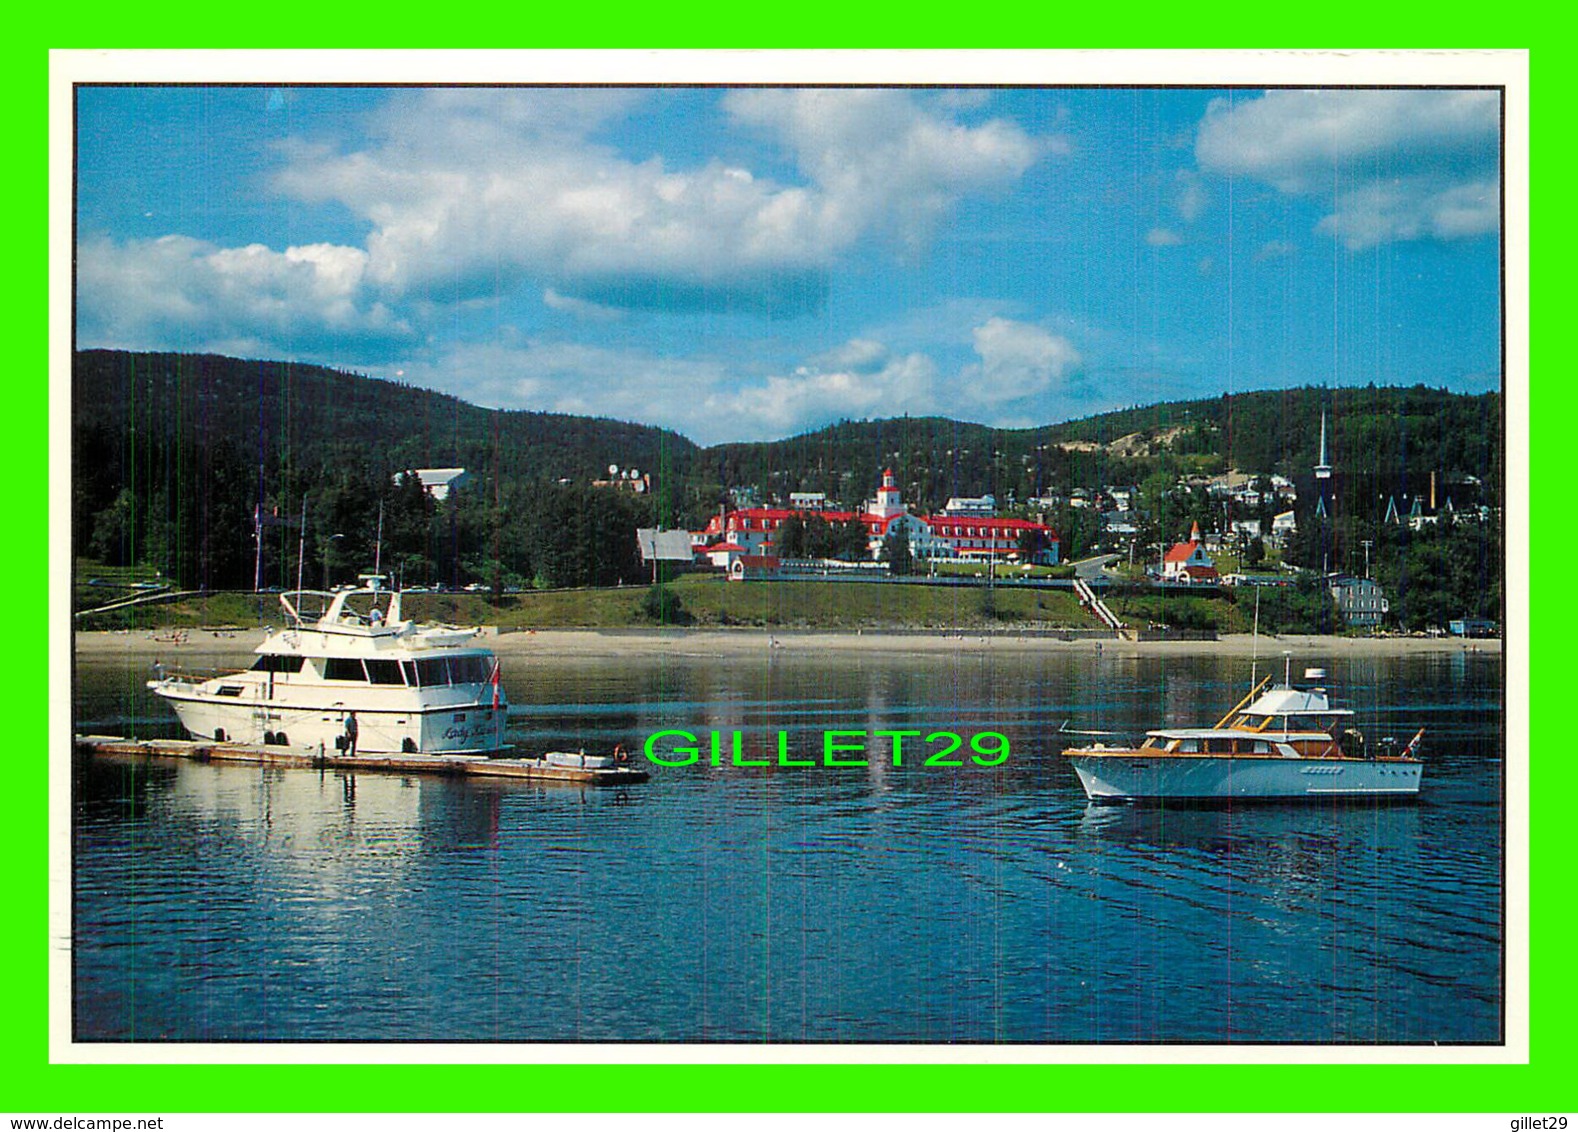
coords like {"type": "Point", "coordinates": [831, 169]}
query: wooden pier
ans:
{"type": "Point", "coordinates": [468, 766]}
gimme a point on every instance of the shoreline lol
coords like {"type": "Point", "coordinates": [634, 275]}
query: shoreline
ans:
{"type": "Point", "coordinates": [549, 645]}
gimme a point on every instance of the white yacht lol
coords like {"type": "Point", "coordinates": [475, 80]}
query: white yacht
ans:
{"type": "Point", "coordinates": [1279, 742]}
{"type": "Point", "coordinates": [358, 671]}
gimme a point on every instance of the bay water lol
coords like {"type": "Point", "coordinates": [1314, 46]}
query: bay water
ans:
{"type": "Point", "coordinates": [907, 904]}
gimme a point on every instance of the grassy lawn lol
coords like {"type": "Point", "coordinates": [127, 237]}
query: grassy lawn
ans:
{"type": "Point", "coordinates": [709, 602]}
{"type": "Point", "coordinates": [713, 602]}
{"type": "Point", "coordinates": [1184, 610]}
{"type": "Point", "coordinates": [706, 600]}
{"type": "Point", "coordinates": [96, 584]}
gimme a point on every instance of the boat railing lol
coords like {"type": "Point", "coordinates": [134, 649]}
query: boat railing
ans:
{"type": "Point", "coordinates": [305, 608]}
{"type": "Point", "coordinates": [184, 674]}
{"type": "Point", "coordinates": [1245, 702]}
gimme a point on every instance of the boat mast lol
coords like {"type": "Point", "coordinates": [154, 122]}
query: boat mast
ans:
{"type": "Point", "coordinates": [1254, 643]}
{"type": "Point", "coordinates": [301, 542]}
{"type": "Point", "coordinates": [378, 547]}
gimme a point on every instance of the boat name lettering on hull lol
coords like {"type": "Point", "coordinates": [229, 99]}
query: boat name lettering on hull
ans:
{"type": "Point", "coordinates": [465, 734]}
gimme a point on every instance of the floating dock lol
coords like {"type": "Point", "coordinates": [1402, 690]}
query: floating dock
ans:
{"type": "Point", "coordinates": [469, 766]}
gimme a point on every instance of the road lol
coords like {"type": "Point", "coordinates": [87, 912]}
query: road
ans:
{"type": "Point", "coordinates": [1088, 568]}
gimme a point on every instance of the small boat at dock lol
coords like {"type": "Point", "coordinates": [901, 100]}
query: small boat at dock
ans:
{"type": "Point", "coordinates": [1278, 742]}
{"type": "Point", "coordinates": [554, 766]}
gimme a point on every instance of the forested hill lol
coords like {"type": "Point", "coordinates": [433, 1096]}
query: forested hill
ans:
{"type": "Point", "coordinates": [1379, 439]}
{"type": "Point", "coordinates": [173, 454]}
{"type": "Point", "coordinates": [286, 416]}
{"type": "Point", "coordinates": [296, 422]}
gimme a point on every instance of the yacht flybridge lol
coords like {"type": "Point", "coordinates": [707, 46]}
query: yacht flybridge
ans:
{"type": "Point", "coordinates": [1279, 742]}
{"type": "Point", "coordinates": [357, 677]}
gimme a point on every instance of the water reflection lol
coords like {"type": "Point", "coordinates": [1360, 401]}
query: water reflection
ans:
{"type": "Point", "coordinates": [873, 903]}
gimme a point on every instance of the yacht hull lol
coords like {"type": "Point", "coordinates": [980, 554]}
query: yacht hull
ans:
{"type": "Point", "coordinates": [450, 729]}
{"type": "Point", "coordinates": [1111, 777]}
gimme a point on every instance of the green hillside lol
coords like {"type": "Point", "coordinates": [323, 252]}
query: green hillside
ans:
{"type": "Point", "coordinates": [173, 453]}
{"type": "Point", "coordinates": [1379, 438]}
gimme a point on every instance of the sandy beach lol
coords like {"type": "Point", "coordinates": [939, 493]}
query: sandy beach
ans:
{"type": "Point", "coordinates": [211, 646]}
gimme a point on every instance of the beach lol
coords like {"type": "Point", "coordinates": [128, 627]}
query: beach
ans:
{"type": "Point", "coordinates": [214, 646]}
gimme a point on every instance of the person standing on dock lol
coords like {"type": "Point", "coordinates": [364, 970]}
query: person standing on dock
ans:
{"type": "Point", "coordinates": [351, 731]}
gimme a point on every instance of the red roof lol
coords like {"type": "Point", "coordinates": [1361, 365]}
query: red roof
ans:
{"type": "Point", "coordinates": [781, 513]}
{"type": "Point", "coordinates": [759, 517]}
{"type": "Point", "coordinates": [986, 521]}
{"type": "Point", "coordinates": [1181, 551]}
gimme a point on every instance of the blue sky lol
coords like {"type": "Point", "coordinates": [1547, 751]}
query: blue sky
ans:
{"type": "Point", "coordinates": [742, 264]}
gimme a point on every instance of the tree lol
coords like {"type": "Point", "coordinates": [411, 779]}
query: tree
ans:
{"type": "Point", "coordinates": [1304, 607]}
{"type": "Point", "coordinates": [662, 605]}
{"type": "Point", "coordinates": [113, 529]}
{"type": "Point", "coordinates": [851, 543]}
{"type": "Point", "coordinates": [896, 550]}
{"type": "Point", "coordinates": [792, 538]}
{"type": "Point", "coordinates": [1033, 545]}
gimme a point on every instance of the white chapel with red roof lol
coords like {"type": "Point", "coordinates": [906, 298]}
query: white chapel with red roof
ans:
{"type": "Point", "coordinates": [1188, 561]}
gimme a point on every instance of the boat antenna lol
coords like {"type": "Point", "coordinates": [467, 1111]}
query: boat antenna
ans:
{"type": "Point", "coordinates": [378, 547]}
{"type": "Point", "coordinates": [1254, 643]}
{"type": "Point", "coordinates": [301, 542]}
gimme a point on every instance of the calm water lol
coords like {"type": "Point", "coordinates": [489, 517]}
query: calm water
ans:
{"type": "Point", "coordinates": [927, 905]}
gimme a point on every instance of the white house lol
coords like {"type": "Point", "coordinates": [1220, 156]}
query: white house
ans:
{"type": "Point", "coordinates": [1361, 601]}
{"type": "Point", "coordinates": [439, 482]}
{"type": "Point", "coordinates": [975, 505]}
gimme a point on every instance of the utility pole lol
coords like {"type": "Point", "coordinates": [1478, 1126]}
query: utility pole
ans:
{"type": "Point", "coordinates": [1367, 543]}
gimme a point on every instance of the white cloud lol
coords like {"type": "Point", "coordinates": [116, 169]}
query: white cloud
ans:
{"type": "Point", "coordinates": [1192, 195]}
{"type": "Point", "coordinates": [1018, 360]}
{"type": "Point", "coordinates": [1020, 373]}
{"type": "Point", "coordinates": [858, 355]}
{"type": "Point", "coordinates": [703, 398]}
{"type": "Point", "coordinates": [1273, 249]}
{"type": "Point", "coordinates": [809, 398]}
{"type": "Point", "coordinates": [1163, 238]}
{"type": "Point", "coordinates": [1393, 164]}
{"type": "Point", "coordinates": [468, 189]}
{"type": "Point", "coordinates": [1410, 209]}
{"type": "Point", "coordinates": [580, 308]}
{"type": "Point", "coordinates": [881, 160]}
{"type": "Point", "coordinates": [145, 294]}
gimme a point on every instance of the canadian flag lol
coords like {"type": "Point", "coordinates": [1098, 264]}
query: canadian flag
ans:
{"type": "Point", "coordinates": [494, 680]}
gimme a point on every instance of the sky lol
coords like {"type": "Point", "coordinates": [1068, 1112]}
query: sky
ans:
{"type": "Point", "coordinates": [752, 263]}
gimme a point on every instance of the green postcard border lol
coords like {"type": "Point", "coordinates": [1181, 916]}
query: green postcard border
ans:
{"type": "Point", "coordinates": [29, 1083]}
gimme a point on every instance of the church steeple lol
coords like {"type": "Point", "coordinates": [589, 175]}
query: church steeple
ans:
{"type": "Point", "coordinates": [889, 499]}
{"type": "Point", "coordinates": [1322, 470]}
